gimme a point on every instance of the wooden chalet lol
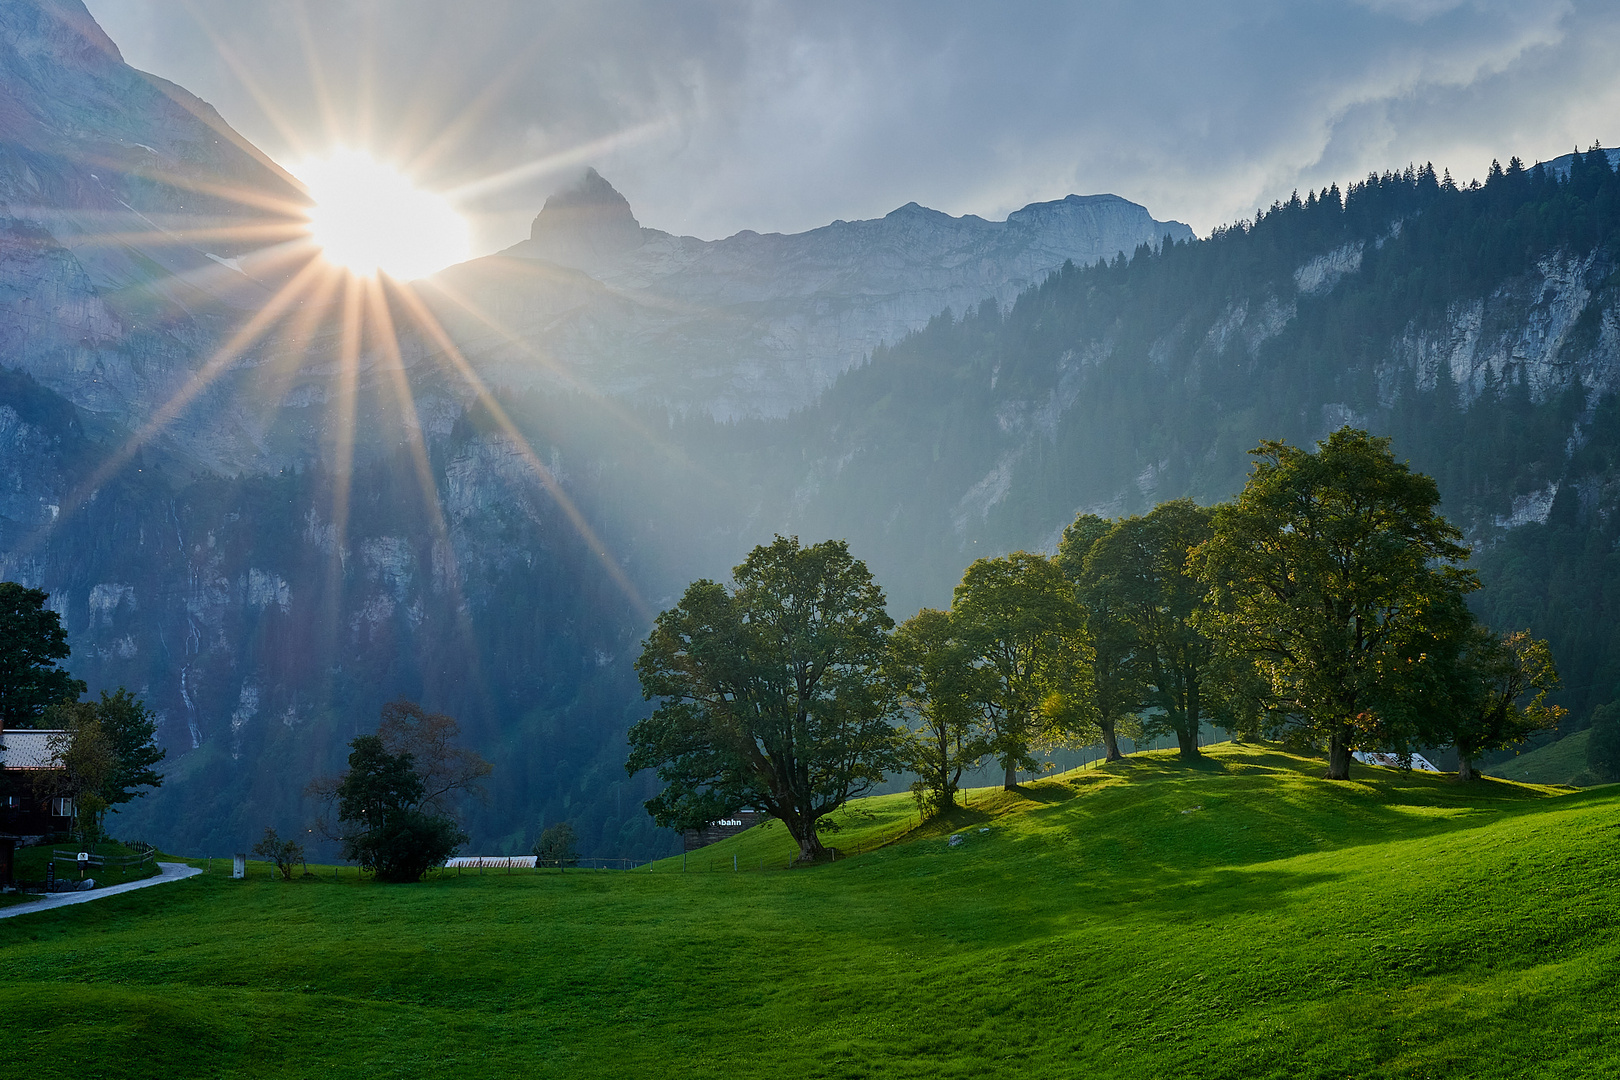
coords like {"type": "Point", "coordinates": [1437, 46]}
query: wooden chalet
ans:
{"type": "Point", "coordinates": [30, 807]}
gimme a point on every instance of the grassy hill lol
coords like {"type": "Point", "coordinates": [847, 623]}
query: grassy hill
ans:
{"type": "Point", "coordinates": [1561, 762]}
{"type": "Point", "coordinates": [1236, 918]}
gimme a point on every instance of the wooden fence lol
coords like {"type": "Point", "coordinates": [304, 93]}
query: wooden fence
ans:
{"type": "Point", "coordinates": [110, 862]}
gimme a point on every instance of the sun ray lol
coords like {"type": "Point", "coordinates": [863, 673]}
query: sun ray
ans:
{"type": "Point", "coordinates": [366, 92]}
{"type": "Point", "coordinates": [343, 441]}
{"type": "Point", "coordinates": [294, 346]}
{"type": "Point", "coordinates": [427, 323]}
{"type": "Point", "coordinates": [562, 159]}
{"type": "Point", "coordinates": [382, 325]}
{"type": "Point", "coordinates": [490, 94]}
{"type": "Point", "coordinates": [188, 237]}
{"type": "Point", "coordinates": [317, 75]}
{"type": "Point", "coordinates": [262, 98]}
{"type": "Point", "coordinates": [160, 418]}
{"type": "Point", "coordinates": [344, 430]}
{"type": "Point", "coordinates": [382, 321]}
{"type": "Point", "coordinates": [566, 375]}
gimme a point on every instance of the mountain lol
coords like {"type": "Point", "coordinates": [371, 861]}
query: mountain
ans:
{"type": "Point", "coordinates": [266, 517]}
{"type": "Point", "coordinates": [754, 325]}
{"type": "Point", "coordinates": [110, 180]}
{"type": "Point", "coordinates": [1478, 326]}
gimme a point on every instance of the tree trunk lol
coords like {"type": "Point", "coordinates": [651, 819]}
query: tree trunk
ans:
{"type": "Point", "coordinates": [810, 849]}
{"type": "Point", "coordinates": [1111, 742]}
{"type": "Point", "coordinates": [1339, 754]}
{"type": "Point", "coordinates": [1465, 768]}
{"type": "Point", "coordinates": [1011, 782]}
{"type": "Point", "coordinates": [1187, 743]}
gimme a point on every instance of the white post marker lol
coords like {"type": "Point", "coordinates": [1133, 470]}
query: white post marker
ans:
{"type": "Point", "coordinates": [238, 866]}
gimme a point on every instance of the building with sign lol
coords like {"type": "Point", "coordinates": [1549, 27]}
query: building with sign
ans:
{"type": "Point", "coordinates": [741, 821]}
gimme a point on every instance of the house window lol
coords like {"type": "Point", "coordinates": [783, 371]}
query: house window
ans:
{"type": "Point", "coordinates": [10, 802]}
{"type": "Point", "coordinates": [61, 806]}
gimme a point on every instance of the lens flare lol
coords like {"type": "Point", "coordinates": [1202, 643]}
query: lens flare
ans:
{"type": "Point", "coordinates": [370, 218]}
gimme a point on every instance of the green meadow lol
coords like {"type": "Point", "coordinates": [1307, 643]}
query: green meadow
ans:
{"type": "Point", "coordinates": [1233, 918]}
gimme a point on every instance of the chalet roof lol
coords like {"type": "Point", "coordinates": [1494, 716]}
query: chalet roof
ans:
{"type": "Point", "coordinates": [28, 748]}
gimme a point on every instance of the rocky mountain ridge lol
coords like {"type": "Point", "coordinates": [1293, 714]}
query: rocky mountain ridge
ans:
{"type": "Point", "coordinates": [758, 324]}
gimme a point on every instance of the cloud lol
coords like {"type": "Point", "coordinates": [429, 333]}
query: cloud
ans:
{"type": "Point", "coordinates": [717, 115]}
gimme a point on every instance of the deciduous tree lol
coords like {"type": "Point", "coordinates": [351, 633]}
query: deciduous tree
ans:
{"type": "Point", "coordinates": [1116, 685]}
{"type": "Point", "coordinates": [1138, 573]}
{"type": "Point", "coordinates": [445, 769]}
{"type": "Point", "coordinates": [86, 761]}
{"type": "Point", "coordinates": [935, 680]}
{"type": "Point", "coordinates": [128, 729]}
{"type": "Point", "coordinates": [383, 826]}
{"type": "Point", "coordinates": [1330, 569]}
{"type": "Point", "coordinates": [285, 854]}
{"type": "Point", "coordinates": [558, 846]}
{"type": "Point", "coordinates": [1603, 741]}
{"type": "Point", "coordinates": [771, 694]}
{"type": "Point", "coordinates": [1023, 628]}
{"type": "Point", "coordinates": [1482, 681]}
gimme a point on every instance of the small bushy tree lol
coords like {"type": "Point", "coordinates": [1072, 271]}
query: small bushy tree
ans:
{"type": "Point", "coordinates": [558, 846]}
{"type": "Point", "coordinates": [286, 854]}
{"type": "Point", "coordinates": [383, 826]}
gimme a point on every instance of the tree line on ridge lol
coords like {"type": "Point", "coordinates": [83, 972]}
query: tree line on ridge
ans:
{"type": "Point", "coordinates": [1326, 604]}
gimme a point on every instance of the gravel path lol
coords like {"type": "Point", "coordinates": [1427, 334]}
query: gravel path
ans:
{"type": "Point", "coordinates": [170, 871]}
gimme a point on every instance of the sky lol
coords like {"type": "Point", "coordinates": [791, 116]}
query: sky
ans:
{"type": "Point", "coordinates": [712, 117]}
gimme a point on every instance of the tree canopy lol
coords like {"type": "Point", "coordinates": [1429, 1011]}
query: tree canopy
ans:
{"type": "Point", "coordinates": [31, 643]}
{"type": "Point", "coordinates": [380, 810]}
{"type": "Point", "coordinates": [1023, 628]}
{"type": "Point", "coordinates": [120, 727]}
{"type": "Point", "coordinates": [1116, 683]}
{"type": "Point", "coordinates": [938, 687]}
{"type": "Point", "coordinates": [1137, 574]}
{"type": "Point", "coordinates": [1330, 570]}
{"type": "Point", "coordinates": [770, 693]}
{"type": "Point", "coordinates": [1480, 681]}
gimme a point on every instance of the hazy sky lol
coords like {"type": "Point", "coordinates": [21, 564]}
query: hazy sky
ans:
{"type": "Point", "coordinates": [717, 116]}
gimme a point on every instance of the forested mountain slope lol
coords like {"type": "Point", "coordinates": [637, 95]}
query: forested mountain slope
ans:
{"type": "Point", "coordinates": [1478, 325]}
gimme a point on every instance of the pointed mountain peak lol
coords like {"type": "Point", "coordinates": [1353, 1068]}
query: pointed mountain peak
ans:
{"type": "Point", "coordinates": [586, 218]}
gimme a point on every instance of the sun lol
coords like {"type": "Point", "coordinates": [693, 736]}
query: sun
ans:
{"type": "Point", "coordinates": [370, 218]}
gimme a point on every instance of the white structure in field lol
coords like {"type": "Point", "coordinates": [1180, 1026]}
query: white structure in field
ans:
{"type": "Point", "coordinates": [1392, 761]}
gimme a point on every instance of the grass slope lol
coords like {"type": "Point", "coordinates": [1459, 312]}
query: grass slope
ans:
{"type": "Point", "coordinates": [1561, 762]}
{"type": "Point", "coordinates": [1234, 918]}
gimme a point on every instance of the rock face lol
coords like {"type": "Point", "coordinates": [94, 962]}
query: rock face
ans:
{"type": "Point", "coordinates": [127, 207]}
{"type": "Point", "coordinates": [757, 325]}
